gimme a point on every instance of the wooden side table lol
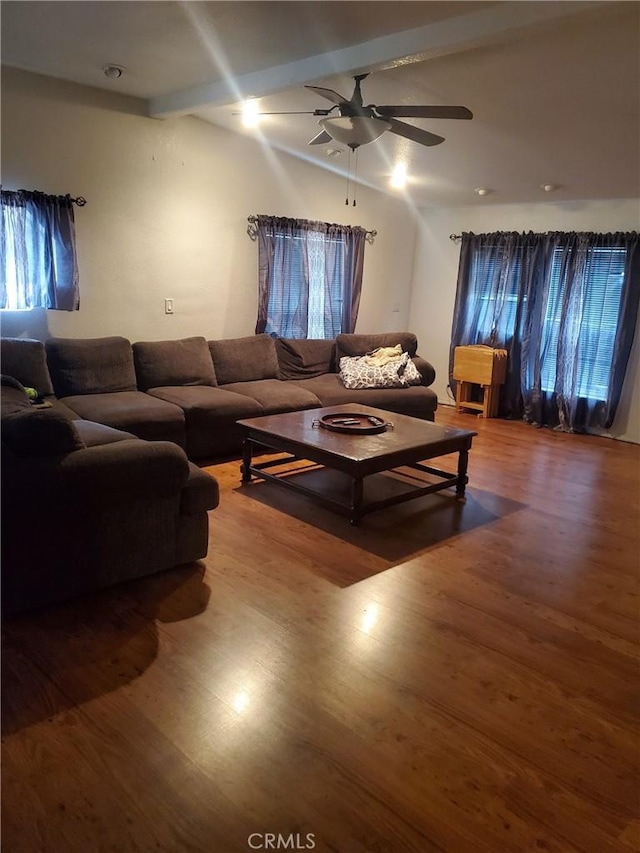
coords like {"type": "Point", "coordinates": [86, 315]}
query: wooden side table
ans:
{"type": "Point", "coordinates": [483, 366]}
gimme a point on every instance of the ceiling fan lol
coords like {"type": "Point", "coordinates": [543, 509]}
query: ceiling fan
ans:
{"type": "Point", "coordinates": [357, 124]}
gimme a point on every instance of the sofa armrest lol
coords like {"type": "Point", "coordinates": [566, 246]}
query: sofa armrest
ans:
{"type": "Point", "coordinates": [200, 494]}
{"type": "Point", "coordinates": [426, 369]}
{"type": "Point", "coordinates": [123, 472]}
{"type": "Point", "coordinates": [129, 470]}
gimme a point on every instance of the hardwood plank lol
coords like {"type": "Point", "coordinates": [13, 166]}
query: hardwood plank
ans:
{"type": "Point", "coordinates": [443, 678]}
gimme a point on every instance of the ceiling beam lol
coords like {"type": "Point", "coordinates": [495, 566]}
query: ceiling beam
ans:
{"type": "Point", "coordinates": [419, 44]}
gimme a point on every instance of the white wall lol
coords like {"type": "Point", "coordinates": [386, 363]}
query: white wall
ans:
{"type": "Point", "coordinates": [436, 269]}
{"type": "Point", "coordinates": [167, 215]}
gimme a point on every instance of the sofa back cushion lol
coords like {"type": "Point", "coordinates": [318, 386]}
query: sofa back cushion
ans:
{"type": "Point", "coordinates": [244, 359]}
{"type": "Point", "coordinates": [91, 365]}
{"type": "Point", "coordinates": [26, 360]}
{"type": "Point", "coordinates": [362, 344]}
{"type": "Point", "coordinates": [305, 359]}
{"type": "Point", "coordinates": [40, 432]}
{"type": "Point", "coordinates": [183, 362]}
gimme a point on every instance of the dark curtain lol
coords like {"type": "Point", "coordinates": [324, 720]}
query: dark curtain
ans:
{"type": "Point", "coordinates": [38, 265]}
{"type": "Point", "coordinates": [564, 306]}
{"type": "Point", "coordinates": [494, 274]}
{"type": "Point", "coordinates": [309, 277]}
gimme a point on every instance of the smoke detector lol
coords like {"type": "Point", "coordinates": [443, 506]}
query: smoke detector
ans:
{"type": "Point", "coordinates": [113, 72]}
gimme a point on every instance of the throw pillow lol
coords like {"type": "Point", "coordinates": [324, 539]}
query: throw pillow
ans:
{"type": "Point", "coordinates": [356, 372]}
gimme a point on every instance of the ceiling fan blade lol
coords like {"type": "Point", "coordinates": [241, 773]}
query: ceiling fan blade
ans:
{"type": "Point", "coordinates": [415, 134]}
{"type": "Point", "coordinates": [424, 112]}
{"type": "Point", "coordinates": [329, 94]}
{"type": "Point", "coordinates": [320, 139]}
{"type": "Point", "coordinates": [291, 113]}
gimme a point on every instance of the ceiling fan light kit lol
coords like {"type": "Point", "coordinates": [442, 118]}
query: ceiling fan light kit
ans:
{"type": "Point", "coordinates": [354, 131]}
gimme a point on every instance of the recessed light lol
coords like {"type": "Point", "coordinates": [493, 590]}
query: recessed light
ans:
{"type": "Point", "coordinates": [113, 72]}
{"type": "Point", "coordinates": [482, 190]}
{"type": "Point", "coordinates": [549, 188]}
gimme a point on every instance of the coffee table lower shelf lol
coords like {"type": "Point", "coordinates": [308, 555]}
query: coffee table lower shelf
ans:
{"type": "Point", "coordinates": [348, 495]}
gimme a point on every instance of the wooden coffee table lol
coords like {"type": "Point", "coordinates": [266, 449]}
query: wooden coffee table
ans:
{"type": "Point", "coordinates": [346, 461]}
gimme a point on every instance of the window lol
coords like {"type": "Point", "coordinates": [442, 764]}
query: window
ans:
{"type": "Point", "coordinates": [304, 260]}
{"type": "Point", "coordinates": [310, 276]}
{"type": "Point", "coordinates": [596, 321]}
{"type": "Point", "coordinates": [564, 305]}
{"type": "Point", "coordinates": [496, 279]}
{"type": "Point", "coordinates": [38, 266]}
{"type": "Point", "coordinates": [319, 311]}
{"type": "Point", "coordinates": [589, 314]}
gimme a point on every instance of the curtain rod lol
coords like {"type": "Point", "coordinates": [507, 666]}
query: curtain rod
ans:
{"type": "Point", "coordinates": [80, 200]}
{"type": "Point", "coordinates": [455, 236]}
{"type": "Point", "coordinates": [253, 219]}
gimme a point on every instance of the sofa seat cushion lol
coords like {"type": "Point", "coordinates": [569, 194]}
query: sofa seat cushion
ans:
{"type": "Point", "coordinates": [200, 493]}
{"type": "Point", "coordinates": [276, 395]}
{"type": "Point", "coordinates": [304, 359]}
{"type": "Point", "coordinates": [183, 362]}
{"type": "Point", "coordinates": [94, 434]}
{"type": "Point", "coordinates": [416, 401]}
{"type": "Point", "coordinates": [210, 417]}
{"type": "Point", "coordinates": [133, 411]}
{"type": "Point", "coordinates": [59, 406]}
{"type": "Point", "coordinates": [214, 404]}
{"type": "Point", "coordinates": [352, 344]}
{"type": "Point", "coordinates": [244, 359]}
{"type": "Point", "coordinates": [90, 365]}
{"type": "Point", "coordinates": [26, 361]}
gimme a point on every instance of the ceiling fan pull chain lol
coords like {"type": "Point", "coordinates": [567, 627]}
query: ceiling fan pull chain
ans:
{"type": "Point", "coordinates": [355, 179]}
{"type": "Point", "coordinates": [346, 201]}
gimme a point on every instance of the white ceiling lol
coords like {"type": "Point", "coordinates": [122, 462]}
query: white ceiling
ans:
{"type": "Point", "coordinates": [554, 86]}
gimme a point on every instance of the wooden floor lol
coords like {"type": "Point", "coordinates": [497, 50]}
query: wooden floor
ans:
{"type": "Point", "coordinates": [443, 677]}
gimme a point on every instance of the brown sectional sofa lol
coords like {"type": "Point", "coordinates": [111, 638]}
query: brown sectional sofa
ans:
{"type": "Point", "coordinates": [85, 506]}
{"type": "Point", "coordinates": [99, 482]}
{"type": "Point", "coordinates": [193, 391]}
